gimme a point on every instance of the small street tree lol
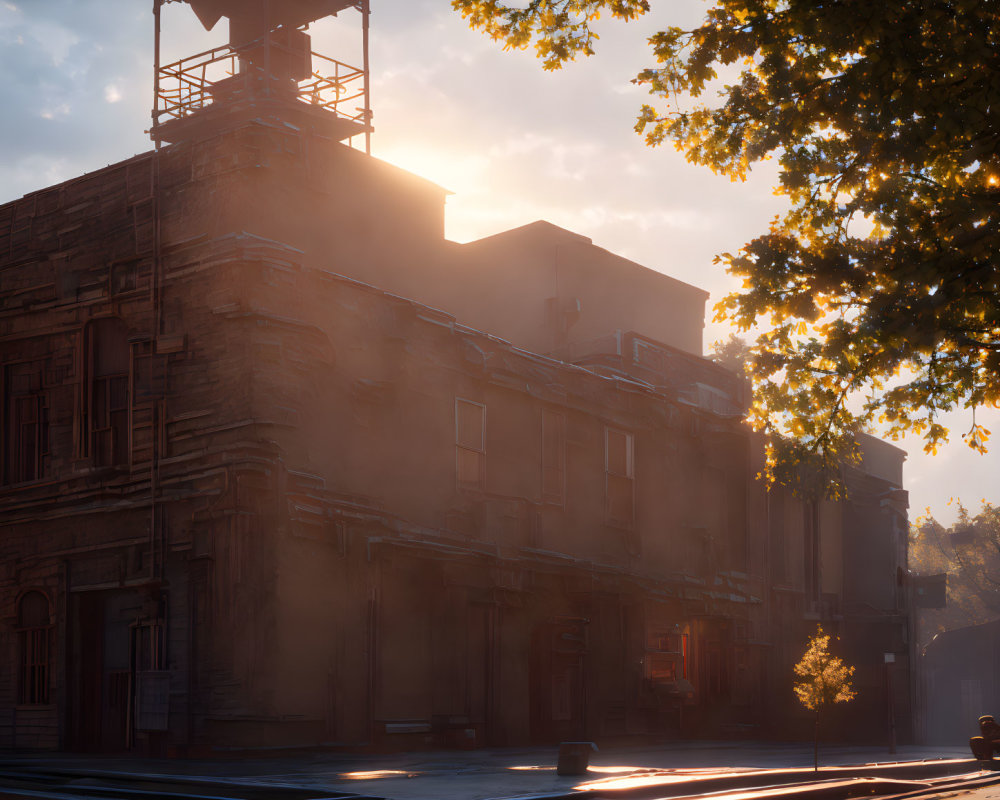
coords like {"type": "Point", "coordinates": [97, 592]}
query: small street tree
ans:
{"type": "Point", "coordinates": [825, 680]}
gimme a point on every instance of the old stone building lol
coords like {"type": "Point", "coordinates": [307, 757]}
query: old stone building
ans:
{"type": "Point", "coordinates": [282, 465]}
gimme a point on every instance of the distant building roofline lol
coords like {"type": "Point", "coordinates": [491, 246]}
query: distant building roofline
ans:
{"type": "Point", "coordinates": [868, 439]}
{"type": "Point", "coordinates": [544, 229]}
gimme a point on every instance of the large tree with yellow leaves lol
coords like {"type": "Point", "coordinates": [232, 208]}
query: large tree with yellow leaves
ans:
{"type": "Point", "coordinates": [879, 290]}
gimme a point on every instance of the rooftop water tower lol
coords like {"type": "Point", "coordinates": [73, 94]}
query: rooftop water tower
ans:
{"type": "Point", "coordinates": [267, 71]}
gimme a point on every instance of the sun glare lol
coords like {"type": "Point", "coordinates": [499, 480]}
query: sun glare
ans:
{"type": "Point", "coordinates": [461, 173]}
{"type": "Point", "coordinates": [616, 770]}
{"type": "Point", "coordinates": [371, 775]}
{"type": "Point", "coordinates": [534, 767]}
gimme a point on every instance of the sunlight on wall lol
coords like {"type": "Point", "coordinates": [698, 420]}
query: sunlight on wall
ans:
{"type": "Point", "coordinates": [462, 173]}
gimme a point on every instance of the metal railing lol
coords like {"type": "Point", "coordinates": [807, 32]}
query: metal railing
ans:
{"type": "Point", "coordinates": [334, 91]}
{"type": "Point", "coordinates": [186, 86]}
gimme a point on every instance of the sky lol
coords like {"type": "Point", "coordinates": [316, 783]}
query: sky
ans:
{"type": "Point", "coordinates": [514, 143]}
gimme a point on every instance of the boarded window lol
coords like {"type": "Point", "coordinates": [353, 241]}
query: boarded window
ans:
{"type": "Point", "coordinates": [619, 466]}
{"type": "Point", "coordinates": [26, 424]}
{"type": "Point", "coordinates": [33, 633]}
{"type": "Point", "coordinates": [666, 659]}
{"type": "Point", "coordinates": [152, 691]}
{"type": "Point", "coordinates": [470, 443]}
{"type": "Point", "coordinates": [108, 395]}
{"type": "Point", "coordinates": [553, 456]}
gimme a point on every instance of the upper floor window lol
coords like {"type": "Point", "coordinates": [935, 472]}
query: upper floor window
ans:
{"type": "Point", "coordinates": [553, 456]}
{"type": "Point", "coordinates": [619, 469]}
{"type": "Point", "coordinates": [25, 423]}
{"type": "Point", "coordinates": [470, 443]}
{"type": "Point", "coordinates": [776, 534]}
{"type": "Point", "coordinates": [811, 553]}
{"type": "Point", "coordinates": [107, 401]}
{"type": "Point", "coordinates": [33, 634]}
{"type": "Point", "coordinates": [715, 503]}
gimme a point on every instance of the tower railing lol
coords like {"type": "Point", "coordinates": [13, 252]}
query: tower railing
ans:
{"type": "Point", "coordinates": [190, 84]}
{"type": "Point", "coordinates": [339, 86]}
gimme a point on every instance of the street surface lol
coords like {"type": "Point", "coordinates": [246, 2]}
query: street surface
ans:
{"type": "Point", "coordinates": [986, 793]}
{"type": "Point", "coordinates": [462, 775]}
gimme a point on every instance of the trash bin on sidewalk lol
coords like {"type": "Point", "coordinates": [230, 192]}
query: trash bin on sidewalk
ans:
{"type": "Point", "coordinates": [574, 757]}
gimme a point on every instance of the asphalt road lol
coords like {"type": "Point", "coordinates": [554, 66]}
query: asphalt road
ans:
{"type": "Point", "coordinates": [986, 793]}
{"type": "Point", "coordinates": [451, 775]}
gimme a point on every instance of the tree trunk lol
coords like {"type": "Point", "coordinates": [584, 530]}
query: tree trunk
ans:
{"type": "Point", "coordinates": [816, 744]}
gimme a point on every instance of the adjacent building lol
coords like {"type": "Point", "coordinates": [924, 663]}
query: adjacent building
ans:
{"type": "Point", "coordinates": [959, 673]}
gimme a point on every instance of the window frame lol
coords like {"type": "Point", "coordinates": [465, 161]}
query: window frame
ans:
{"type": "Point", "coordinates": [119, 435]}
{"type": "Point", "coordinates": [628, 475]}
{"type": "Point", "coordinates": [460, 447]}
{"type": "Point", "coordinates": [557, 494]}
{"type": "Point", "coordinates": [34, 657]}
{"type": "Point", "coordinates": [12, 443]}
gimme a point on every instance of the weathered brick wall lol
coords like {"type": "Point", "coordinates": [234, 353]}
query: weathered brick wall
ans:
{"type": "Point", "coordinates": [81, 251]}
{"type": "Point", "coordinates": [305, 488]}
{"type": "Point", "coordinates": [357, 388]}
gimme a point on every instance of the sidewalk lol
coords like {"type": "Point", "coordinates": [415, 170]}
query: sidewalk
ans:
{"type": "Point", "coordinates": [482, 774]}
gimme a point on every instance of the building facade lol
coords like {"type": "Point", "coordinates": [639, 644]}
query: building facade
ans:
{"type": "Point", "coordinates": [283, 466]}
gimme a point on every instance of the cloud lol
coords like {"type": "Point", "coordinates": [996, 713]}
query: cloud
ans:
{"type": "Point", "coordinates": [63, 63]}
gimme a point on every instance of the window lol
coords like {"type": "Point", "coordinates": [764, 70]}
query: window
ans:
{"type": "Point", "coordinates": [714, 504]}
{"type": "Point", "coordinates": [696, 551]}
{"type": "Point", "coordinates": [619, 468]}
{"type": "Point", "coordinates": [553, 456]}
{"type": "Point", "coordinates": [470, 443]}
{"type": "Point", "coordinates": [811, 553]}
{"type": "Point", "coordinates": [33, 633]}
{"type": "Point", "coordinates": [26, 424]}
{"type": "Point", "coordinates": [108, 392]}
{"type": "Point", "coordinates": [776, 533]}
{"type": "Point", "coordinates": [152, 681]}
